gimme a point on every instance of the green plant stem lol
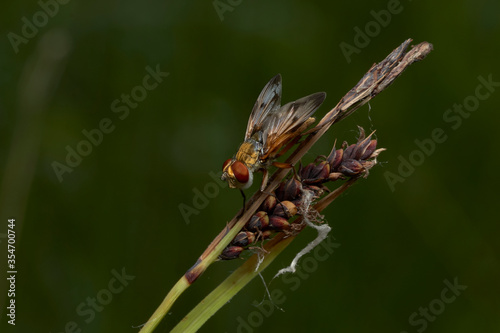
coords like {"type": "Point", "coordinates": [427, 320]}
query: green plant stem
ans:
{"type": "Point", "coordinates": [230, 287]}
{"type": "Point", "coordinates": [167, 303]}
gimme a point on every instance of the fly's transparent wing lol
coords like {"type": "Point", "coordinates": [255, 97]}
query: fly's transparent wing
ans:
{"type": "Point", "coordinates": [267, 103]}
{"type": "Point", "coordinates": [285, 124]}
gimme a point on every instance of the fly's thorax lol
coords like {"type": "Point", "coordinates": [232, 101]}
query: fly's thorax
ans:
{"type": "Point", "coordinates": [249, 153]}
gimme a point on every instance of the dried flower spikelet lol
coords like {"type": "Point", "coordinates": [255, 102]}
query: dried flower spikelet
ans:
{"type": "Point", "coordinates": [335, 158]}
{"type": "Point", "coordinates": [370, 149]}
{"type": "Point", "coordinates": [279, 223]}
{"type": "Point", "coordinates": [335, 176]}
{"type": "Point", "coordinates": [289, 190]}
{"type": "Point", "coordinates": [231, 252]}
{"type": "Point", "coordinates": [306, 171]}
{"type": "Point", "coordinates": [243, 238]}
{"type": "Point", "coordinates": [258, 221]}
{"type": "Point", "coordinates": [350, 151]}
{"type": "Point", "coordinates": [285, 209]}
{"type": "Point", "coordinates": [317, 174]}
{"type": "Point", "coordinates": [321, 170]}
{"type": "Point", "coordinates": [268, 204]}
{"type": "Point", "coordinates": [357, 150]}
{"type": "Point", "coordinates": [351, 167]}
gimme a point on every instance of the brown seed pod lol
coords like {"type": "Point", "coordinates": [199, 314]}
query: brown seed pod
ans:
{"type": "Point", "coordinates": [231, 252]}
{"type": "Point", "coordinates": [243, 238]}
{"type": "Point", "coordinates": [336, 159]}
{"type": "Point", "coordinates": [361, 148]}
{"type": "Point", "coordinates": [268, 204]}
{"type": "Point", "coordinates": [279, 223]}
{"type": "Point", "coordinates": [305, 173]}
{"type": "Point", "coordinates": [369, 150]}
{"type": "Point", "coordinates": [318, 174]}
{"type": "Point", "coordinates": [285, 209]}
{"type": "Point", "coordinates": [289, 190]}
{"type": "Point", "coordinates": [322, 170]}
{"type": "Point", "coordinates": [350, 152]}
{"type": "Point", "coordinates": [351, 168]}
{"type": "Point", "coordinates": [259, 221]}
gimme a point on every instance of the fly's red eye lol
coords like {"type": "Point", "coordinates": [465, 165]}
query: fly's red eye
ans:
{"type": "Point", "coordinates": [226, 163]}
{"type": "Point", "coordinates": [240, 172]}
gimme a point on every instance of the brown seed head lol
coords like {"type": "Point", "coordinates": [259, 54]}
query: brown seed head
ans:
{"type": "Point", "coordinates": [259, 221]}
{"type": "Point", "coordinates": [369, 150]}
{"type": "Point", "coordinates": [350, 152]}
{"type": "Point", "coordinates": [317, 174]}
{"type": "Point", "coordinates": [243, 238]}
{"type": "Point", "coordinates": [305, 173]}
{"type": "Point", "coordinates": [231, 252]}
{"type": "Point", "coordinates": [268, 204]}
{"type": "Point", "coordinates": [336, 159]}
{"type": "Point", "coordinates": [279, 223]}
{"type": "Point", "coordinates": [285, 209]}
{"type": "Point", "coordinates": [351, 168]}
{"type": "Point", "coordinates": [289, 190]}
{"type": "Point", "coordinates": [321, 170]}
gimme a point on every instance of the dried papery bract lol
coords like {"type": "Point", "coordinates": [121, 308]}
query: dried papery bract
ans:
{"type": "Point", "coordinates": [379, 77]}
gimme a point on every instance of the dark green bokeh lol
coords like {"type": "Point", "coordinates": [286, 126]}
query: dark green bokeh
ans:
{"type": "Point", "coordinates": [120, 207]}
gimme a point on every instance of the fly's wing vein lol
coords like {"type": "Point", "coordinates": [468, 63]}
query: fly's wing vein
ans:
{"type": "Point", "coordinates": [283, 125]}
{"type": "Point", "coordinates": [267, 103]}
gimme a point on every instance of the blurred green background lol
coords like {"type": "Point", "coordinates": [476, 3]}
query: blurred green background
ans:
{"type": "Point", "coordinates": [394, 246]}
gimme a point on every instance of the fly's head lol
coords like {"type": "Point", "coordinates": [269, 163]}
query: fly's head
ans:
{"type": "Point", "coordinates": [237, 174]}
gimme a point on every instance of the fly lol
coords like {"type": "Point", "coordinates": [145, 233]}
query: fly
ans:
{"type": "Point", "coordinates": [272, 129]}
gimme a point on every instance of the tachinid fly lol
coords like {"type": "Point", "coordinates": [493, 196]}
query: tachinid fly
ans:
{"type": "Point", "coordinates": [272, 129]}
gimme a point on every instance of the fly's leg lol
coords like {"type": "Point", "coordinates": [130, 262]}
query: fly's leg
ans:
{"type": "Point", "coordinates": [244, 203]}
{"type": "Point", "coordinates": [287, 147]}
{"type": "Point", "coordinates": [298, 135]}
